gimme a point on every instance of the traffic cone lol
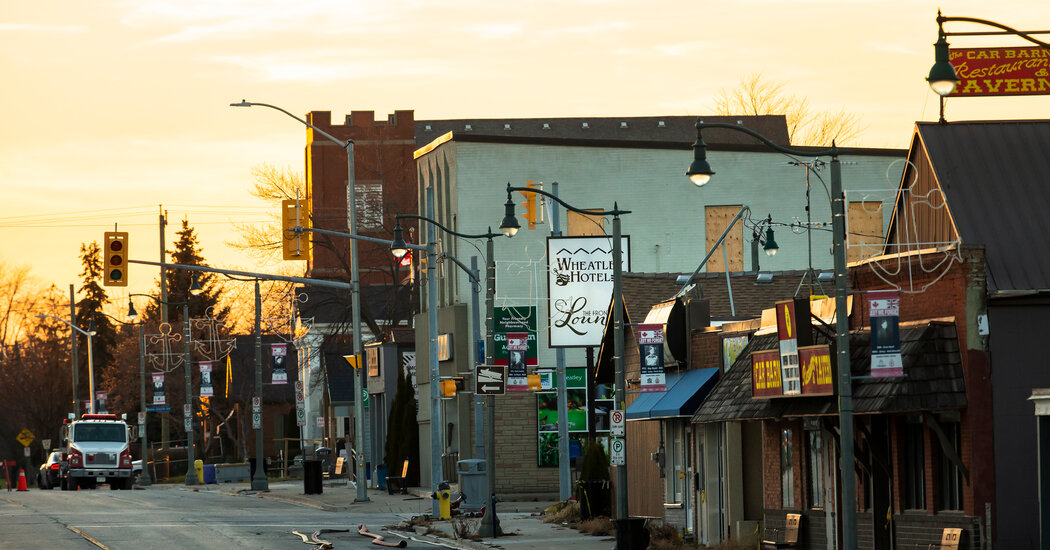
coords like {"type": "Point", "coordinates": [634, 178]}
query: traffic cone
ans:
{"type": "Point", "coordinates": [22, 481]}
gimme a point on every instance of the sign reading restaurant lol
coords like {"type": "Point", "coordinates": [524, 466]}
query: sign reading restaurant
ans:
{"type": "Point", "coordinates": [1001, 71]}
{"type": "Point", "coordinates": [580, 285]}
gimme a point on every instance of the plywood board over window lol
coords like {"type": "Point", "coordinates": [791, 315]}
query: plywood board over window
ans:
{"type": "Point", "coordinates": [865, 232]}
{"type": "Point", "coordinates": [583, 225]}
{"type": "Point", "coordinates": [717, 219]}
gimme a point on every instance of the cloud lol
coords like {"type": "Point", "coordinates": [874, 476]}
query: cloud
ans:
{"type": "Point", "coordinates": [329, 65]}
{"type": "Point", "coordinates": [29, 27]}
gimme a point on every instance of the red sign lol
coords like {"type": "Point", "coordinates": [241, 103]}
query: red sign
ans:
{"type": "Point", "coordinates": [765, 374]}
{"type": "Point", "coordinates": [816, 370]}
{"type": "Point", "coordinates": [1001, 71]}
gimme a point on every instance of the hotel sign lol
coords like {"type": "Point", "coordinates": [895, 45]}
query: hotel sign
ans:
{"type": "Point", "coordinates": [580, 286]}
{"type": "Point", "coordinates": [1001, 71]}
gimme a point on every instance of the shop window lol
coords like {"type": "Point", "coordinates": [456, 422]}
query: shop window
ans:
{"type": "Point", "coordinates": [815, 468]}
{"type": "Point", "coordinates": [787, 471]}
{"type": "Point", "coordinates": [913, 466]}
{"type": "Point", "coordinates": [369, 204]}
{"type": "Point", "coordinates": [674, 462]}
{"type": "Point", "coordinates": [951, 479]}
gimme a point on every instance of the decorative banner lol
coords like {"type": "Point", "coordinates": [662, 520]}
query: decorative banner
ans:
{"type": "Point", "coordinates": [651, 352]}
{"type": "Point", "coordinates": [547, 413]}
{"type": "Point", "coordinates": [579, 285]}
{"type": "Point", "coordinates": [816, 370]}
{"type": "Point", "coordinates": [100, 398]}
{"type": "Point", "coordinates": [206, 387]}
{"type": "Point", "coordinates": [1001, 71]}
{"type": "Point", "coordinates": [158, 389]}
{"type": "Point", "coordinates": [765, 374]}
{"type": "Point", "coordinates": [788, 334]}
{"type": "Point", "coordinates": [521, 323]}
{"type": "Point", "coordinates": [278, 353]}
{"type": "Point", "coordinates": [885, 333]}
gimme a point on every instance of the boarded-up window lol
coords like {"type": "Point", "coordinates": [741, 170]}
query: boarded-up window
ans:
{"type": "Point", "coordinates": [582, 225]}
{"type": "Point", "coordinates": [864, 226]}
{"type": "Point", "coordinates": [718, 218]}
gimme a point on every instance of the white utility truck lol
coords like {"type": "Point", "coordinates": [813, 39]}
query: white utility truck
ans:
{"type": "Point", "coordinates": [97, 448]}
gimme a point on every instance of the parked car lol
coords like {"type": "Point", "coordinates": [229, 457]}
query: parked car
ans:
{"type": "Point", "coordinates": [51, 471]}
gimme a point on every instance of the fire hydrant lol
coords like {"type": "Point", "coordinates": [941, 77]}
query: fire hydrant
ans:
{"type": "Point", "coordinates": [444, 498]}
{"type": "Point", "coordinates": [198, 466]}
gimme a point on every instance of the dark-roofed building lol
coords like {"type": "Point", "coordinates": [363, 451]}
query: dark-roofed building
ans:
{"type": "Point", "coordinates": [987, 184]}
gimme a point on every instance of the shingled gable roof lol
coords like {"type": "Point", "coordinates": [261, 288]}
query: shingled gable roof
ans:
{"type": "Point", "coordinates": [610, 130]}
{"type": "Point", "coordinates": [995, 176]}
{"type": "Point", "coordinates": [642, 291]}
{"type": "Point", "coordinates": [933, 380]}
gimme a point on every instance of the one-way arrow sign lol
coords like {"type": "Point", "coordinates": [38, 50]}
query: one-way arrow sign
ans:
{"type": "Point", "coordinates": [490, 380]}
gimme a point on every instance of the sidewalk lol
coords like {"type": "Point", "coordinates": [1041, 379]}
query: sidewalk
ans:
{"type": "Point", "coordinates": [520, 521]}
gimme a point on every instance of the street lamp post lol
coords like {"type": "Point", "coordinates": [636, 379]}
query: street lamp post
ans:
{"type": "Point", "coordinates": [700, 173]}
{"type": "Point", "coordinates": [509, 226]}
{"type": "Point", "coordinates": [942, 77]}
{"type": "Point", "coordinates": [191, 472]}
{"type": "Point", "coordinates": [355, 290]}
{"type": "Point", "coordinates": [91, 364]}
{"type": "Point", "coordinates": [490, 522]}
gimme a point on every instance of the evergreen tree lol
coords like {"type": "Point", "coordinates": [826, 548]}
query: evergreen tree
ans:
{"type": "Point", "coordinates": [402, 441]}
{"type": "Point", "coordinates": [187, 251]}
{"type": "Point", "coordinates": [90, 316]}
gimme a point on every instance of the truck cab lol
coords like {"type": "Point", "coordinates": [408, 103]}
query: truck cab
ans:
{"type": "Point", "coordinates": [97, 446]}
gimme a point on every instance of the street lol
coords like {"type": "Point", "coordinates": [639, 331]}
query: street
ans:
{"type": "Point", "coordinates": [171, 517]}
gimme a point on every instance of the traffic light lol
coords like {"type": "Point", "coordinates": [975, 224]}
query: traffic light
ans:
{"type": "Point", "coordinates": [294, 246]}
{"type": "Point", "coordinates": [530, 205]}
{"type": "Point", "coordinates": [115, 258]}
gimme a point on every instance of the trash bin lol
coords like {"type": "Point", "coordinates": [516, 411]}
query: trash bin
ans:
{"type": "Point", "coordinates": [632, 532]}
{"type": "Point", "coordinates": [381, 476]}
{"type": "Point", "coordinates": [209, 473]}
{"type": "Point", "coordinates": [473, 484]}
{"type": "Point", "coordinates": [312, 477]}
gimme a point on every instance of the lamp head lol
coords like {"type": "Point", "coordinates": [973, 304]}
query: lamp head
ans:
{"type": "Point", "coordinates": [509, 226]}
{"type": "Point", "coordinates": [195, 285]}
{"type": "Point", "coordinates": [942, 76]}
{"type": "Point", "coordinates": [699, 171]}
{"type": "Point", "coordinates": [132, 314]}
{"type": "Point", "coordinates": [243, 103]}
{"type": "Point", "coordinates": [398, 247]}
{"type": "Point", "coordinates": [771, 245]}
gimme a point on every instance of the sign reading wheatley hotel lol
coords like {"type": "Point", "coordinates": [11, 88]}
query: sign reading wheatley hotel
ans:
{"type": "Point", "coordinates": [580, 285]}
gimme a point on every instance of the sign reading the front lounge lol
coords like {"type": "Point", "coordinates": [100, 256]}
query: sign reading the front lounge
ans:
{"type": "Point", "coordinates": [815, 373]}
{"type": "Point", "coordinates": [580, 286]}
{"type": "Point", "coordinates": [1001, 71]}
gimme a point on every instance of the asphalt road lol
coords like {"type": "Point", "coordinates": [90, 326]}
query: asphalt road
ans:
{"type": "Point", "coordinates": [171, 518]}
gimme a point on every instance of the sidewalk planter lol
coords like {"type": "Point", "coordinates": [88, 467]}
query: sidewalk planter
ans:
{"type": "Point", "coordinates": [237, 471]}
{"type": "Point", "coordinates": [595, 498]}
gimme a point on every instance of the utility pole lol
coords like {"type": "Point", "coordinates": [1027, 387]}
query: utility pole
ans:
{"type": "Point", "coordinates": [73, 345]}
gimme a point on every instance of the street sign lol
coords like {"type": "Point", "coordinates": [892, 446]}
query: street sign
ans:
{"type": "Point", "coordinates": [490, 380]}
{"type": "Point", "coordinates": [256, 421]}
{"type": "Point", "coordinates": [186, 409]}
{"type": "Point", "coordinates": [618, 456]}
{"type": "Point", "coordinates": [617, 426]}
{"type": "Point", "coordinates": [46, 443]}
{"type": "Point", "coordinates": [299, 386]}
{"type": "Point", "coordinates": [152, 408]}
{"type": "Point", "coordinates": [256, 404]}
{"type": "Point", "coordinates": [25, 437]}
{"type": "Point", "coordinates": [27, 451]}
{"type": "Point", "coordinates": [187, 423]}
{"type": "Point", "coordinates": [142, 417]}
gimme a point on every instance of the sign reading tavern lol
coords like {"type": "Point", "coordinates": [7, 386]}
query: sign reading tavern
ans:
{"type": "Point", "coordinates": [1001, 71]}
{"type": "Point", "coordinates": [814, 363]}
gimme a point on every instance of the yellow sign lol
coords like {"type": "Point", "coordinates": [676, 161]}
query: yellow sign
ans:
{"type": "Point", "coordinates": [353, 360]}
{"type": "Point", "coordinates": [25, 437]}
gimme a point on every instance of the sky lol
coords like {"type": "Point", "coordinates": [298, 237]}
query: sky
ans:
{"type": "Point", "coordinates": [111, 108]}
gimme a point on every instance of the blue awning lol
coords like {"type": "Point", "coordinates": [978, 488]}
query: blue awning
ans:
{"type": "Point", "coordinates": [685, 392]}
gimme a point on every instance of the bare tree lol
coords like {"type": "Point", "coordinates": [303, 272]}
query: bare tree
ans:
{"type": "Point", "coordinates": [756, 95]}
{"type": "Point", "coordinates": [273, 185]}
